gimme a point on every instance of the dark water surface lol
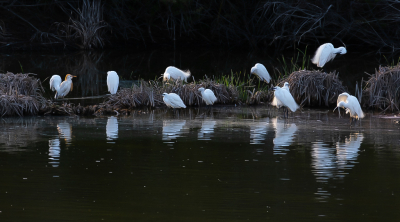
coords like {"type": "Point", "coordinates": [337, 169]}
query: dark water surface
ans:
{"type": "Point", "coordinates": [91, 67]}
{"type": "Point", "coordinates": [219, 164]}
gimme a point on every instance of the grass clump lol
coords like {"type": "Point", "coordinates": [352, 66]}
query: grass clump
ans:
{"type": "Point", "coordinates": [20, 94]}
{"type": "Point", "coordinates": [383, 89]}
{"type": "Point", "coordinates": [314, 88]}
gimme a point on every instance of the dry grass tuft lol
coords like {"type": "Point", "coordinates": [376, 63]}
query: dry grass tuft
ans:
{"type": "Point", "coordinates": [314, 88]}
{"type": "Point", "coordinates": [20, 94]}
{"type": "Point", "coordinates": [383, 89]}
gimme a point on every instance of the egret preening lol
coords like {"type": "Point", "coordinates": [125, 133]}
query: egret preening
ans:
{"type": "Point", "coordinates": [326, 53]}
{"type": "Point", "coordinates": [285, 98]}
{"type": "Point", "coordinates": [112, 81]}
{"type": "Point", "coordinates": [351, 105]}
{"type": "Point", "coordinates": [55, 82]}
{"type": "Point", "coordinates": [65, 87]}
{"type": "Point", "coordinates": [208, 96]}
{"type": "Point", "coordinates": [275, 101]}
{"type": "Point", "coordinates": [260, 70]}
{"type": "Point", "coordinates": [175, 73]}
{"type": "Point", "coordinates": [173, 100]}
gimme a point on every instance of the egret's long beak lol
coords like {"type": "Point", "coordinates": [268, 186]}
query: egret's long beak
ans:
{"type": "Point", "coordinates": [334, 109]}
{"type": "Point", "coordinates": [74, 76]}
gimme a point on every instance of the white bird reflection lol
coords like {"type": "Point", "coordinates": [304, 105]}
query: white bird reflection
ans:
{"type": "Point", "coordinates": [54, 152]}
{"type": "Point", "coordinates": [64, 129]}
{"type": "Point", "coordinates": [258, 131]}
{"type": "Point", "coordinates": [172, 129]}
{"type": "Point", "coordinates": [112, 128]}
{"type": "Point", "coordinates": [207, 129]}
{"type": "Point", "coordinates": [284, 135]}
{"type": "Point", "coordinates": [331, 162]}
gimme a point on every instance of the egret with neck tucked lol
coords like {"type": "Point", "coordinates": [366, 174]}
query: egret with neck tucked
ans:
{"type": "Point", "coordinates": [208, 96]}
{"type": "Point", "coordinates": [286, 99]}
{"type": "Point", "coordinates": [260, 70]}
{"type": "Point", "coordinates": [276, 102]}
{"type": "Point", "coordinates": [112, 81]}
{"type": "Point", "coordinates": [173, 100]}
{"type": "Point", "coordinates": [326, 53]}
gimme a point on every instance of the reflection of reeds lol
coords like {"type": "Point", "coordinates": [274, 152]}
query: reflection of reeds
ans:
{"type": "Point", "coordinates": [383, 89]}
{"type": "Point", "coordinates": [20, 94]}
{"type": "Point", "coordinates": [314, 88]}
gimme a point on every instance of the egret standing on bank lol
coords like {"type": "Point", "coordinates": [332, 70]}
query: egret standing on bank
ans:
{"type": "Point", "coordinates": [173, 100]}
{"type": "Point", "coordinates": [208, 96]}
{"type": "Point", "coordinates": [286, 99]}
{"type": "Point", "coordinates": [65, 87]}
{"type": "Point", "coordinates": [260, 70]}
{"type": "Point", "coordinates": [175, 73]}
{"type": "Point", "coordinates": [275, 101]}
{"type": "Point", "coordinates": [351, 105]}
{"type": "Point", "coordinates": [112, 81]}
{"type": "Point", "coordinates": [55, 82]}
{"type": "Point", "coordinates": [326, 53]}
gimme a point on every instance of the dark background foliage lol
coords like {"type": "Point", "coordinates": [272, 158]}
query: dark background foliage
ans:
{"type": "Point", "coordinates": [278, 25]}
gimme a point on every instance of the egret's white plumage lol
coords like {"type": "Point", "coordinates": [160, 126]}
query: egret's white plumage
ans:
{"type": "Point", "coordinates": [285, 98]}
{"type": "Point", "coordinates": [112, 81]}
{"type": "Point", "coordinates": [175, 73]}
{"type": "Point", "coordinates": [260, 70]}
{"type": "Point", "coordinates": [351, 105]}
{"type": "Point", "coordinates": [275, 101]}
{"type": "Point", "coordinates": [55, 82]}
{"type": "Point", "coordinates": [65, 87]}
{"type": "Point", "coordinates": [208, 96]}
{"type": "Point", "coordinates": [326, 53]}
{"type": "Point", "coordinates": [173, 100]}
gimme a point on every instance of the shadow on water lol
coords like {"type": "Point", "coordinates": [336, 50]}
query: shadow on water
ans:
{"type": "Point", "coordinates": [203, 164]}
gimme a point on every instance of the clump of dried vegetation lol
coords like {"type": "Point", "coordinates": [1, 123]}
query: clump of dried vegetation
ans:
{"type": "Point", "coordinates": [20, 94]}
{"type": "Point", "coordinates": [314, 88]}
{"type": "Point", "coordinates": [382, 89]}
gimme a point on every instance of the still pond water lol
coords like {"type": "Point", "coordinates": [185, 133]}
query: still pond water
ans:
{"type": "Point", "coordinates": [200, 164]}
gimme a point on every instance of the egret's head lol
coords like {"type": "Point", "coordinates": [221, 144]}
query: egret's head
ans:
{"type": "Point", "coordinates": [341, 50]}
{"type": "Point", "coordinates": [286, 84]}
{"type": "Point", "coordinates": [69, 77]}
{"type": "Point", "coordinates": [342, 104]}
{"type": "Point", "coordinates": [201, 89]}
{"type": "Point", "coordinates": [110, 72]}
{"type": "Point", "coordinates": [164, 94]}
{"type": "Point", "coordinates": [253, 70]}
{"type": "Point", "coordinates": [167, 76]}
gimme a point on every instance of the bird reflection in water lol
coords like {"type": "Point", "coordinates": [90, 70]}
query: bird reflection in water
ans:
{"type": "Point", "coordinates": [258, 130]}
{"type": "Point", "coordinates": [112, 128]}
{"type": "Point", "coordinates": [284, 135]}
{"type": "Point", "coordinates": [332, 162]}
{"type": "Point", "coordinates": [172, 129]}
{"type": "Point", "coordinates": [207, 129]}
{"type": "Point", "coordinates": [64, 131]}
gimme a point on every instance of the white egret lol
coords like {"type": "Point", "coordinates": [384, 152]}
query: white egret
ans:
{"type": "Point", "coordinates": [260, 70]}
{"type": "Point", "coordinates": [286, 99]}
{"type": "Point", "coordinates": [351, 105]}
{"type": "Point", "coordinates": [65, 87]}
{"type": "Point", "coordinates": [175, 73]}
{"type": "Point", "coordinates": [326, 53]}
{"type": "Point", "coordinates": [208, 96]}
{"type": "Point", "coordinates": [112, 81]}
{"type": "Point", "coordinates": [275, 101]}
{"type": "Point", "coordinates": [173, 100]}
{"type": "Point", "coordinates": [55, 82]}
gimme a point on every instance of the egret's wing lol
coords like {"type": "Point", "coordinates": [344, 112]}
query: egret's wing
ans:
{"type": "Point", "coordinates": [176, 100]}
{"type": "Point", "coordinates": [112, 82]}
{"type": "Point", "coordinates": [323, 54]}
{"type": "Point", "coordinates": [286, 99]}
{"type": "Point", "coordinates": [55, 82]}
{"type": "Point", "coordinates": [210, 95]}
{"type": "Point", "coordinates": [354, 105]}
{"type": "Point", "coordinates": [65, 87]}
